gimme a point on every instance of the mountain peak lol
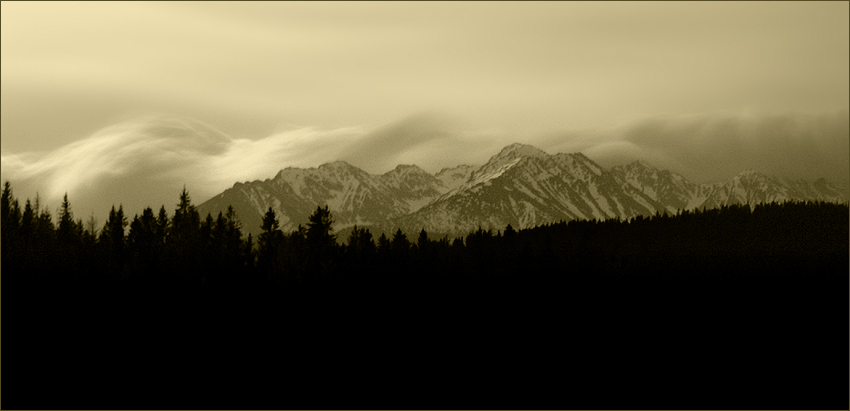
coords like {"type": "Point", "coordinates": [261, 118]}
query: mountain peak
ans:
{"type": "Point", "coordinates": [339, 164]}
{"type": "Point", "coordinates": [521, 150]}
{"type": "Point", "coordinates": [407, 169]}
{"type": "Point", "coordinates": [521, 185]}
{"type": "Point", "coordinates": [640, 165]}
{"type": "Point", "coordinates": [461, 167]}
{"type": "Point", "coordinates": [749, 174]}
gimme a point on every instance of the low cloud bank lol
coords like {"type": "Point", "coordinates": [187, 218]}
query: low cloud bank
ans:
{"type": "Point", "coordinates": [717, 147]}
{"type": "Point", "coordinates": [146, 161]}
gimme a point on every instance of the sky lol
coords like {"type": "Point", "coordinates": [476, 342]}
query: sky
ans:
{"type": "Point", "coordinates": [127, 102]}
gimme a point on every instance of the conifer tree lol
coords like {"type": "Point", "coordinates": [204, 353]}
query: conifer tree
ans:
{"type": "Point", "coordinates": [360, 242]}
{"type": "Point", "coordinates": [232, 240]}
{"type": "Point", "coordinates": [353, 241]}
{"type": "Point", "coordinates": [112, 242]}
{"type": "Point", "coordinates": [162, 226]}
{"type": "Point", "coordinates": [69, 240]}
{"type": "Point", "coordinates": [400, 248]}
{"type": "Point", "coordinates": [185, 224]}
{"type": "Point", "coordinates": [319, 228]}
{"type": "Point", "coordinates": [249, 257]}
{"type": "Point", "coordinates": [422, 242]}
{"type": "Point", "coordinates": [400, 241]}
{"type": "Point", "coordinates": [11, 213]}
{"type": "Point", "coordinates": [185, 246]}
{"type": "Point", "coordinates": [268, 244]}
{"type": "Point", "coordinates": [45, 228]}
{"type": "Point", "coordinates": [66, 221]}
{"type": "Point", "coordinates": [321, 244]}
{"type": "Point", "coordinates": [383, 244]}
{"type": "Point", "coordinates": [10, 224]}
{"type": "Point", "coordinates": [28, 218]}
{"type": "Point", "coordinates": [509, 233]}
{"type": "Point", "coordinates": [366, 243]}
{"type": "Point", "coordinates": [27, 234]}
{"type": "Point", "coordinates": [6, 203]}
{"type": "Point", "coordinates": [142, 244]}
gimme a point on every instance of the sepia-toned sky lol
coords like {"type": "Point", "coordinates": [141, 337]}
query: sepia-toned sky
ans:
{"type": "Point", "coordinates": [433, 83]}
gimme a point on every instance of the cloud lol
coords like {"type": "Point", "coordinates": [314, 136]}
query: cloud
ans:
{"type": "Point", "coordinates": [716, 147]}
{"type": "Point", "coordinates": [146, 161]}
{"type": "Point", "coordinates": [431, 140]}
{"type": "Point", "coordinates": [548, 65]}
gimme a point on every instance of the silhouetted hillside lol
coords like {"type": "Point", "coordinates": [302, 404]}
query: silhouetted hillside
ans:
{"type": "Point", "coordinates": [733, 307]}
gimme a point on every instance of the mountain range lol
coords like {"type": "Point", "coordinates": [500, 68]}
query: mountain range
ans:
{"type": "Point", "coordinates": [521, 185]}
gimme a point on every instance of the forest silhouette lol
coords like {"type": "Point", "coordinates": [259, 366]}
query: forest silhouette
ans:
{"type": "Point", "coordinates": [744, 306]}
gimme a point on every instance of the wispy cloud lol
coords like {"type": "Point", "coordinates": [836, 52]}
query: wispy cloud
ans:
{"type": "Point", "coordinates": [149, 159]}
{"type": "Point", "coordinates": [716, 147]}
{"type": "Point", "coordinates": [523, 66]}
{"type": "Point", "coordinates": [145, 161]}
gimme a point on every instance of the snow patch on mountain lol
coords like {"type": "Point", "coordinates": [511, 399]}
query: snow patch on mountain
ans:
{"type": "Point", "coordinates": [521, 185]}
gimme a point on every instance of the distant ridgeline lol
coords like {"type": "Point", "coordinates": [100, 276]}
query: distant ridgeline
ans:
{"type": "Point", "coordinates": [186, 249]}
{"type": "Point", "coordinates": [750, 297]}
{"type": "Point", "coordinates": [521, 186]}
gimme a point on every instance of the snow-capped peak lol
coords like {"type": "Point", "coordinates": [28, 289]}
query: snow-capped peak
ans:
{"type": "Point", "coordinates": [750, 176]}
{"type": "Point", "coordinates": [506, 158]}
{"type": "Point", "coordinates": [639, 166]}
{"type": "Point", "coordinates": [336, 165]}
{"type": "Point", "coordinates": [457, 169]}
{"type": "Point", "coordinates": [521, 185]}
{"type": "Point", "coordinates": [407, 169]}
{"type": "Point", "coordinates": [749, 173]}
{"type": "Point", "coordinates": [520, 150]}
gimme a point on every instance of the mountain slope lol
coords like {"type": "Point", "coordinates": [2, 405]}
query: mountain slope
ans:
{"type": "Point", "coordinates": [521, 186]}
{"type": "Point", "coordinates": [353, 196]}
{"type": "Point", "coordinates": [671, 190]}
{"type": "Point", "coordinates": [524, 187]}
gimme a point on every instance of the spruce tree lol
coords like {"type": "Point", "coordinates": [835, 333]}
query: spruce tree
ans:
{"type": "Point", "coordinates": [319, 228]}
{"type": "Point", "coordinates": [66, 221]}
{"type": "Point", "coordinates": [400, 242]}
{"type": "Point", "coordinates": [423, 241]}
{"type": "Point", "coordinates": [383, 244]}
{"type": "Point", "coordinates": [185, 245]}
{"type": "Point", "coordinates": [268, 244]}
{"type": "Point", "coordinates": [10, 226]}
{"type": "Point", "coordinates": [112, 242]}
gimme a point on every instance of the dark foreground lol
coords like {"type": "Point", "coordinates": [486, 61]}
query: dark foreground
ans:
{"type": "Point", "coordinates": [723, 309]}
{"type": "Point", "coordinates": [704, 343]}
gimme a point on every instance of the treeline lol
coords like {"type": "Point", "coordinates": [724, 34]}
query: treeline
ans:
{"type": "Point", "coordinates": [187, 250]}
{"type": "Point", "coordinates": [150, 248]}
{"type": "Point", "coordinates": [735, 307]}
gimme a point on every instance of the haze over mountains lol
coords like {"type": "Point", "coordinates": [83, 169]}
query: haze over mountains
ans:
{"type": "Point", "coordinates": [521, 185]}
{"type": "Point", "coordinates": [146, 160]}
{"type": "Point", "coordinates": [250, 89]}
